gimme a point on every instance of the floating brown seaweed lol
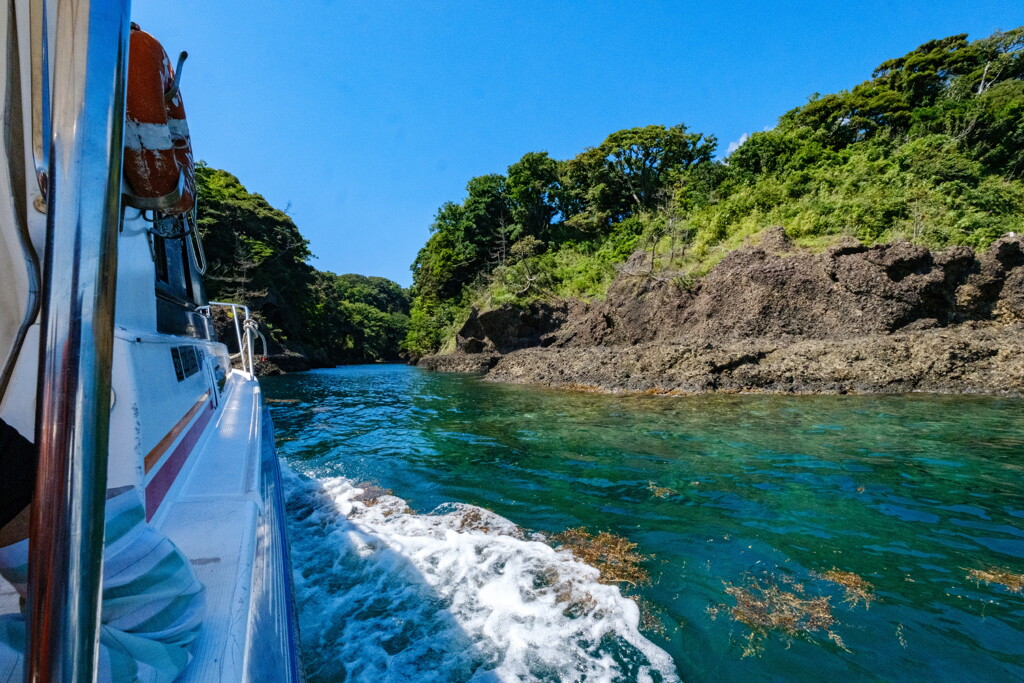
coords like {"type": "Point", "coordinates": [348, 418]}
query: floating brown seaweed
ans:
{"type": "Point", "coordinates": [767, 607]}
{"type": "Point", "coordinates": [652, 617]}
{"type": "Point", "coordinates": [615, 557]}
{"type": "Point", "coordinates": [1000, 577]}
{"type": "Point", "coordinates": [371, 493]}
{"type": "Point", "coordinates": [855, 588]}
{"type": "Point", "coordinates": [661, 491]}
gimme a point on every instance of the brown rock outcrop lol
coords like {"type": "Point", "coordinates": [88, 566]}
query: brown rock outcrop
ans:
{"type": "Point", "coordinates": [950, 360]}
{"type": "Point", "coordinates": [893, 317]}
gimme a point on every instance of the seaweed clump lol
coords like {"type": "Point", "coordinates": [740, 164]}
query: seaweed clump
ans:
{"type": "Point", "coordinates": [1001, 577]}
{"type": "Point", "coordinates": [661, 491]}
{"type": "Point", "coordinates": [371, 493]}
{"type": "Point", "coordinates": [855, 588]}
{"type": "Point", "coordinates": [575, 602]}
{"type": "Point", "coordinates": [766, 607]}
{"type": "Point", "coordinates": [472, 518]}
{"type": "Point", "coordinates": [652, 617]}
{"type": "Point", "coordinates": [615, 557]}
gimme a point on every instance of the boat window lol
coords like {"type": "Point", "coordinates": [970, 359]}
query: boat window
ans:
{"type": "Point", "coordinates": [179, 288]}
{"type": "Point", "coordinates": [187, 360]}
{"type": "Point", "coordinates": [172, 276]}
{"type": "Point", "coordinates": [160, 256]}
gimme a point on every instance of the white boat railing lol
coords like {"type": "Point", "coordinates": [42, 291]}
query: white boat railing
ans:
{"type": "Point", "coordinates": [246, 331]}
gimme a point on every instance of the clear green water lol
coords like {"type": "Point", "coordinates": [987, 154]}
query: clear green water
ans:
{"type": "Point", "coordinates": [909, 492]}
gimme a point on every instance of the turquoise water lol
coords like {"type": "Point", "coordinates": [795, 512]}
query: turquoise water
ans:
{"type": "Point", "coordinates": [908, 492]}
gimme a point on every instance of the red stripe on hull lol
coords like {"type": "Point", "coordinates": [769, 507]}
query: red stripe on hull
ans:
{"type": "Point", "coordinates": [161, 482]}
{"type": "Point", "coordinates": [153, 457]}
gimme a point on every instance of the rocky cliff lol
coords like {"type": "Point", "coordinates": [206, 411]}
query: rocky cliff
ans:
{"type": "Point", "coordinates": [769, 317]}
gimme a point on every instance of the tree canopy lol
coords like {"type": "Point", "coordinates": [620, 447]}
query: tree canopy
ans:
{"type": "Point", "coordinates": [930, 148]}
{"type": "Point", "coordinates": [258, 257]}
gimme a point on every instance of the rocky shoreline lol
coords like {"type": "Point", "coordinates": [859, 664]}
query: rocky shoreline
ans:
{"type": "Point", "coordinates": [939, 361]}
{"type": "Point", "coordinates": [892, 318]}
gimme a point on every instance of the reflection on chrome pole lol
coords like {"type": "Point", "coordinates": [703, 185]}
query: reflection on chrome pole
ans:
{"type": "Point", "coordinates": [80, 265]}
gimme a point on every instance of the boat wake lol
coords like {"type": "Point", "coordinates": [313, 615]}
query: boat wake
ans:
{"type": "Point", "coordinates": [459, 594]}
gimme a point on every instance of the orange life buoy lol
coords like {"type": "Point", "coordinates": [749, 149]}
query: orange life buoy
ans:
{"type": "Point", "coordinates": [157, 150]}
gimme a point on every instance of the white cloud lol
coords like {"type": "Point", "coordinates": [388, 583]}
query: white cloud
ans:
{"type": "Point", "coordinates": [735, 144]}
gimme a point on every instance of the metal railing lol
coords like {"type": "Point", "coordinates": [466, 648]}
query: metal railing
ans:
{"type": "Point", "coordinates": [83, 176]}
{"type": "Point", "coordinates": [246, 331]}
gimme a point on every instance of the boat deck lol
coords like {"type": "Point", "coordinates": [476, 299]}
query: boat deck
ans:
{"type": "Point", "coordinates": [212, 514]}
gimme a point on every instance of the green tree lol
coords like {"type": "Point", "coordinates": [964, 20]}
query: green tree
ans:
{"type": "Point", "coordinates": [258, 257]}
{"type": "Point", "coordinates": [378, 292]}
{"type": "Point", "coordinates": [256, 254]}
{"type": "Point", "coordinates": [532, 185]}
{"type": "Point", "coordinates": [487, 219]}
{"type": "Point", "coordinates": [447, 261]}
{"type": "Point", "coordinates": [627, 172]}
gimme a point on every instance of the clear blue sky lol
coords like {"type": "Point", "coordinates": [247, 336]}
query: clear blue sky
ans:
{"type": "Point", "coordinates": [365, 116]}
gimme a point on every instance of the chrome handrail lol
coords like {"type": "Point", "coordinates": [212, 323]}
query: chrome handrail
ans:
{"type": "Point", "coordinates": [192, 220]}
{"type": "Point", "coordinates": [76, 343]}
{"type": "Point", "coordinates": [176, 83]}
{"type": "Point", "coordinates": [245, 332]}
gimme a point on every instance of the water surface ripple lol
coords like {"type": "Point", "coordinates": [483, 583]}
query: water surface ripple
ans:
{"type": "Point", "coordinates": [908, 492]}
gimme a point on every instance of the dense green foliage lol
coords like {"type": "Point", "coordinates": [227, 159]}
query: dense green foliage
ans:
{"type": "Point", "coordinates": [930, 149]}
{"type": "Point", "coordinates": [258, 257]}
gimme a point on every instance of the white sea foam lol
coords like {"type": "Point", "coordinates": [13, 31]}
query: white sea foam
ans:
{"type": "Point", "coordinates": [459, 594]}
